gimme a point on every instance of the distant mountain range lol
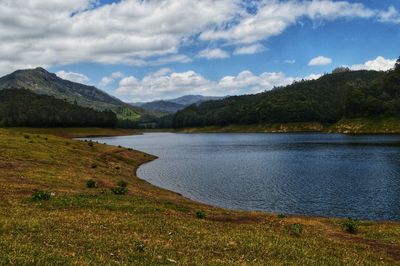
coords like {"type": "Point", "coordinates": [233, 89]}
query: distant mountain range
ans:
{"type": "Point", "coordinates": [40, 81]}
{"type": "Point", "coordinates": [174, 105]}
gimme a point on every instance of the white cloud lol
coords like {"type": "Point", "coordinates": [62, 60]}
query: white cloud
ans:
{"type": "Point", "coordinates": [289, 61]}
{"type": "Point", "coordinates": [47, 33]}
{"type": "Point", "coordinates": [389, 16]}
{"type": "Point", "coordinates": [72, 76]}
{"type": "Point", "coordinates": [250, 49]}
{"type": "Point", "coordinates": [167, 84]}
{"type": "Point", "coordinates": [108, 80]}
{"type": "Point", "coordinates": [320, 61]}
{"type": "Point", "coordinates": [313, 76]}
{"type": "Point", "coordinates": [273, 17]}
{"type": "Point", "coordinates": [379, 64]}
{"type": "Point", "coordinates": [213, 53]}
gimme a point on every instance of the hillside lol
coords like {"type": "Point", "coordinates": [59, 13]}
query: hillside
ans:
{"type": "Point", "coordinates": [40, 81]}
{"type": "Point", "coordinates": [174, 105]}
{"type": "Point", "coordinates": [25, 108]}
{"type": "Point", "coordinates": [349, 94]}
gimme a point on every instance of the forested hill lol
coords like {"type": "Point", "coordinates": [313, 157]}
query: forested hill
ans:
{"type": "Point", "coordinates": [40, 81]}
{"type": "Point", "coordinates": [25, 108]}
{"type": "Point", "coordinates": [343, 94]}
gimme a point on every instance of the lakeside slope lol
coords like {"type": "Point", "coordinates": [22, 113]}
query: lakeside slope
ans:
{"type": "Point", "coordinates": [345, 126]}
{"type": "Point", "coordinates": [149, 226]}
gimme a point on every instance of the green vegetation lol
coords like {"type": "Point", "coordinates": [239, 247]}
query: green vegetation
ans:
{"type": "Point", "coordinates": [342, 95]}
{"type": "Point", "coordinates": [150, 226]}
{"type": "Point", "coordinates": [24, 108]}
{"type": "Point", "coordinates": [351, 226]}
{"type": "Point", "coordinates": [39, 195]}
{"type": "Point", "coordinates": [91, 183]}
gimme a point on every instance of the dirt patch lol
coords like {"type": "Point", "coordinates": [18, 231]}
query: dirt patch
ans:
{"type": "Point", "coordinates": [391, 250]}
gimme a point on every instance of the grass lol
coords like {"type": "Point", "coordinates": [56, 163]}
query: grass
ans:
{"type": "Point", "coordinates": [148, 225]}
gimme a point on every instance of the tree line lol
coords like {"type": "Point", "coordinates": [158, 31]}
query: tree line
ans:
{"type": "Point", "coordinates": [20, 107]}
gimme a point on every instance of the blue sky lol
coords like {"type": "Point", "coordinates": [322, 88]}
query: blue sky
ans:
{"type": "Point", "coordinates": [155, 49]}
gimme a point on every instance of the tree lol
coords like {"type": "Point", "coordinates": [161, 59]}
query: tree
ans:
{"type": "Point", "coordinates": [397, 66]}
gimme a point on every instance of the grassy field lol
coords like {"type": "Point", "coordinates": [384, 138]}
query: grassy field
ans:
{"type": "Point", "coordinates": [150, 226]}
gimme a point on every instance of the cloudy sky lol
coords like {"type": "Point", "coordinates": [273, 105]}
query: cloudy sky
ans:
{"type": "Point", "coordinates": [140, 50]}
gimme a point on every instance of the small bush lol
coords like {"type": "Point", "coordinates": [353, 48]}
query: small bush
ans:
{"type": "Point", "coordinates": [90, 143]}
{"type": "Point", "coordinates": [39, 195]}
{"type": "Point", "coordinates": [122, 183]}
{"type": "Point", "coordinates": [139, 245]}
{"type": "Point", "coordinates": [281, 216]}
{"type": "Point", "coordinates": [94, 165]}
{"type": "Point", "coordinates": [117, 167]}
{"type": "Point", "coordinates": [91, 183]}
{"type": "Point", "coordinates": [295, 229]}
{"type": "Point", "coordinates": [351, 226]}
{"type": "Point", "coordinates": [26, 136]}
{"type": "Point", "coordinates": [45, 139]}
{"type": "Point", "coordinates": [119, 190]}
{"type": "Point", "coordinates": [200, 215]}
{"type": "Point", "coordinates": [119, 146]}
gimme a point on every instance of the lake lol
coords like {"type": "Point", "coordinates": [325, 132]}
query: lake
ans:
{"type": "Point", "coordinates": [308, 174]}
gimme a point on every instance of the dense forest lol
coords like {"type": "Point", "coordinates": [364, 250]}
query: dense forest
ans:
{"type": "Point", "coordinates": [342, 94]}
{"type": "Point", "coordinates": [19, 107]}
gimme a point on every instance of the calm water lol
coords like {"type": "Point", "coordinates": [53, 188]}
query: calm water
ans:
{"type": "Point", "coordinates": [311, 174]}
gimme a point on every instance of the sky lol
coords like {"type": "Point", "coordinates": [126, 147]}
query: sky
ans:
{"type": "Point", "coordinates": [143, 50]}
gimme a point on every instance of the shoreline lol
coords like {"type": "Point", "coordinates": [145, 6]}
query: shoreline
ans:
{"type": "Point", "coordinates": [152, 225]}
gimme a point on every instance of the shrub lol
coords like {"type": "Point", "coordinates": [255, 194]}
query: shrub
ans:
{"type": "Point", "coordinates": [91, 183]}
{"type": "Point", "coordinates": [94, 165]}
{"type": "Point", "coordinates": [295, 229]}
{"type": "Point", "coordinates": [26, 136]}
{"type": "Point", "coordinates": [90, 143]}
{"type": "Point", "coordinates": [281, 216]}
{"type": "Point", "coordinates": [139, 245]}
{"type": "Point", "coordinates": [119, 190]}
{"type": "Point", "coordinates": [200, 215]}
{"type": "Point", "coordinates": [122, 183]}
{"type": "Point", "coordinates": [39, 195]}
{"type": "Point", "coordinates": [351, 226]}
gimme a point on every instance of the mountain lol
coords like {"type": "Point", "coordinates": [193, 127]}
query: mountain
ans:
{"type": "Point", "coordinates": [162, 106]}
{"type": "Point", "coordinates": [25, 108]}
{"type": "Point", "coordinates": [348, 94]}
{"type": "Point", "coordinates": [191, 99]}
{"type": "Point", "coordinates": [174, 105]}
{"type": "Point", "coordinates": [42, 82]}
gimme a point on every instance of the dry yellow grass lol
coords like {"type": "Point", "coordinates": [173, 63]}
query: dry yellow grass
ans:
{"type": "Point", "coordinates": [150, 226]}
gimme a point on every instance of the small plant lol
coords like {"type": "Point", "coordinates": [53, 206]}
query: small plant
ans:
{"type": "Point", "coordinates": [90, 143]}
{"type": "Point", "coordinates": [351, 226]}
{"type": "Point", "coordinates": [39, 195]}
{"type": "Point", "coordinates": [122, 183]}
{"type": "Point", "coordinates": [91, 183]}
{"type": "Point", "coordinates": [94, 165]}
{"type": "Point", "coordinates": [117, 168]}
{"type": "Point", "coordinates": [295, 229]}
{"type": "Point", "coordinates": [200, 214]}
{"type": "Point", "coordinates": [26, 136]}
{"type": "Point", "coordinates": [139, 245]}
{"type": "Point", "coordinates": [119, 146]}
{"type": "Point", "coordinates": [45, 139]}
{"type": "Point", "coordinates": [119, 190]}
{"type": "Point", "coordinates": [281, 216]}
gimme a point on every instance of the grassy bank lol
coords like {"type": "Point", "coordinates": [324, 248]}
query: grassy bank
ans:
{"type": "Point", "coordinates": [150, 226]}
{"type": "Point", "coordinates": [76, 132]}
{"type": "Point", "coordinates": [346, 126]}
